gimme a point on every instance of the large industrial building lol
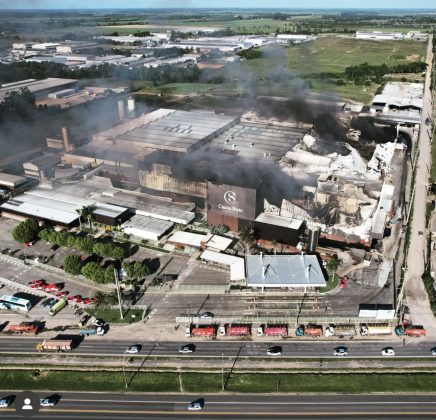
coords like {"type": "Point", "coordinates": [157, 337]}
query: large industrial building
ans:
{"type": "Point", "coordinates": [221, 163]}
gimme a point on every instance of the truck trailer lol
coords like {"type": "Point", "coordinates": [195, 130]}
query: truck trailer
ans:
{"type": "Point", "coordinates": [24, 328]}
{"type": "Point", "coordinates": [272, 331]}
{"type": "Point", "coordinates": [375, 329]}
{"type": "Point", "coordinates": [411, 330]}
{"type": "Point", "coordinates": [348, 330]}
{"type": "Point", "coordinates": [235, 330]}
{"type": "Point", "coordinates": [309, 331]}
{"type": "Point", "coordinates": [203, 332]}
{"type": "Point", "coordinates": [55, 345]}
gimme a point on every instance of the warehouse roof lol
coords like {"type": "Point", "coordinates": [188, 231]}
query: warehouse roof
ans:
{"type": "Point", "coordinates": [100, 189]}
{"type": "Point", "coordinates": [108, 210]}
{"type": "Point", "coordinates": [11, 181]}
{"type": "Point", "coordinates": [187, 238]}
{"type": "Point", "coordinates": [284, 271]}
{"type": "Point", "coordinates": [35, 85]}
{"type": "Point", "coordinates": [148, 224]}
{"type": "Point", "coordinates": [220, 243]}
{"type": "Point", "coordinates": [286, 222]}
{"type": "Point", "coordinates": [236, 264]}
{"type": "Point", "coordinates": [258, 140]}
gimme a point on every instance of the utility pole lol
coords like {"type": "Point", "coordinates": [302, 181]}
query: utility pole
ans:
{"type": "Point", "coordinates": [124, 373]}
{"type": "Point", "coordinates": [118, 293]}
{"type": "Point", "coordinates": [222, 371]}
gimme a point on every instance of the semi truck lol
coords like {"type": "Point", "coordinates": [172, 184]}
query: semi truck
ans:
{"type": "Point", "coordinates": [24, 328]}
{"type": "Point", "coordinates": [411, 330]}
{"type": "Point", "coordinates": [202, 331]}
{"type": "Point", "coordinates": [309, 331]}
{"type": "Point", "coordinates": [55, 345]}
{"type": "Point", "coordinates": [235, 330]}
{"type": "Point", "coordinates": [375, 329]}
{"type": "Point", "coordinates": [348, 330]}
{"type": "Point", "coordinates": [272, 331]}
{"type": "Point", "coordinates": [57, 307]}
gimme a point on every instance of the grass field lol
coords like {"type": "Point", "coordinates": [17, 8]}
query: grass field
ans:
{"type": "Point", "coordinates": [113, 315]}
{"type": "Point", "coordinates": [109, 381]}
{"type": "Point", "coordinates": [326, 54]}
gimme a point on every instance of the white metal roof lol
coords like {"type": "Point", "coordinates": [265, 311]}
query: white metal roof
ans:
{"type": "Point", "coordinates": [187, 238]}
{"type": "Point", "coordinates": [272, 219]}
{"type": "Point", "coordinates": [219, 242]}
{"type": "Point", "coordinates": [300, 270]}
{"type": "Point", "coordinates": [236, 264]}
{"type": "Point", "coordinates": [147, 224]}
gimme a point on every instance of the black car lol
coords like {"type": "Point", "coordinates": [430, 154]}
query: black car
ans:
{"type": "Point", "coordinates": [47, 302]}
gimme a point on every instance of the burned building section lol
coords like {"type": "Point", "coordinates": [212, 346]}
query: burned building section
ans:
{"type": "Point", "coordinates": [282, 177]}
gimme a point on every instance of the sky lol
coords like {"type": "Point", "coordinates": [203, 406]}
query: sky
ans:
{"type": "Point", "coordinates": [300, 4]}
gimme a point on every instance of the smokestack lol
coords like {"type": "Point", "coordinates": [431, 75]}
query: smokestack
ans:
{"type": "Point", "coordinates": [67, 145]}
{"type": "Point", "coordinates": [131, 105]}
{"type": "Point", "coordinates": [121, 111]}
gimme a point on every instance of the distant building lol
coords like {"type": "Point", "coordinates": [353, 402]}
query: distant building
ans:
{"type": "Point", "coordinates": [382, 36]}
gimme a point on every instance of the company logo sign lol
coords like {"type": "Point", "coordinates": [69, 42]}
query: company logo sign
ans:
{"type": "Point", "coordinates": [231, 199]}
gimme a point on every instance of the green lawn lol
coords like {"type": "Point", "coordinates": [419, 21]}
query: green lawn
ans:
{"type": "Point", "coordinates": [112, 381]}
{"type": "Point", "coordinates": [113, 315]}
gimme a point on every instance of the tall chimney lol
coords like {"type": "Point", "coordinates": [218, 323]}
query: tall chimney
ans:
{"type": "Point", "coordinates": [67, 145]}
{"type": "Point", "coordinates": [121, 112]}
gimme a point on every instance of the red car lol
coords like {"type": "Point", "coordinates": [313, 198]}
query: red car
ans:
{"type": "Point", "coordinates": [77, 298]}
{"type": "Point", "coordinates": [37, 284]}
{"type": "Point", "coordinates": [52, 288]}
{"type": "Point", "coordinates": [343, 282]}
{"type": "Point", "coordinates": [89, 301]}
{"type": "Point", "coordinates": [62, 294]}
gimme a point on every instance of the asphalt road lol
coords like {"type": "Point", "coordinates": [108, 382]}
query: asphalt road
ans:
{"type": "Point", "coordinates": [303, 349]}
{"type": "Point", "coordinates": [117, 406]}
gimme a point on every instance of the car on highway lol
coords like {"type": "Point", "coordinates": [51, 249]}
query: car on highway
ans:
{"type": "Point", "coordinates": [97, 322]}
{"type": "Point", "coordinates": [274, 351]}
{"type": "Point", "coordinates": [433, 351]}
{"type": "Point", "coordinates": [62, 294]}
{"type": "Point", "coordinates": [420, 233]}
{"type": "Point", "coordinates": [5, 402]}
{"type": "Point", "coordinates": [196, 405]}
{"type": "Point", "coordinates": [427, 121]}
{"type": "Point", "coordinates": [133, 349]}
{"type": "Point", "coordinates": [340, 351]}
{"type": "Point", "coordinates": [206, 315]}
{"type": "Point", "coordinates": [50, 401]}
{"type": "Point", "coordinates": [187, 348]}
{"type": "Point", "coordinates": [388, 351]}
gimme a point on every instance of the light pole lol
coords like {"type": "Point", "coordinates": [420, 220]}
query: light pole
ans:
{"type": "Point", "coordinates": [222, 371]}
{"type": "Point", "coordinates": [124, 373]}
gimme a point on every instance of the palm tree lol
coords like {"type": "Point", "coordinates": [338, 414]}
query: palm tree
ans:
{"type": "Point", "coordinates": [86, 213]}
{"type": "Point", "coordinates": [246, 234]}
{"type": "Point", "coordinates": [79, 212]}
{"type": "Point", "coordinates": [100, 298]}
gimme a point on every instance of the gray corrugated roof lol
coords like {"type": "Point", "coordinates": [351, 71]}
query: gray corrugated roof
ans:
{"type": "Point", "coordinates": [284, 271]}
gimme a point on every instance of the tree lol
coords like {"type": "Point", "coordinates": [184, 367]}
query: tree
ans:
{"type": "Point", "coordinates": [85, 244]}
{"type": "Point", "coordinates": [99, 297]}
{"type": "Point", "coordinates": [73, 264]}
{"type": "Point", "coordinates": [26, 231]}
{"type": "Point", "coordinates": [109, 275]}
{"type": "Point", "coordinates": [86, 213]}
{"type": "Point", "coordinates": [118, 253]}
{"type": "Point", "coordinates": [93, 272]}
{"type": "Point", "coordinates": [136, 270]}
{"type": "Point", "coordinates": [246, 234]}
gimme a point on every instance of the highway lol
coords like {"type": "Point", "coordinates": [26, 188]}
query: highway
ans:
{"type": "Point", "coordinates": [131, 406]}
{"type": "Point", "coordinates": [295, 349]}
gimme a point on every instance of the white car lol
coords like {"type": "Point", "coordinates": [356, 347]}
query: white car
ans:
{"type": "Point", "coordinates": [187, 348]}
{"type": "Point", "coordinates": [195, 406]}
{"type": "Point", "coordinates": [5, 403]}
{"type": "Point", "coordinates": [97, 322]}
{"type": "Point", "coordinates": [433, 351]}
{"type": "Point", "coordinates": [388, 351]}
{"type": "Point", "coordinates": [340, 351]}
{"type": "Point", "coordinates": [206, 315]}
{"type": "Point", "coordinates": [132, 349]}
{"type": "Point", "coordinates": [47, 402]}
